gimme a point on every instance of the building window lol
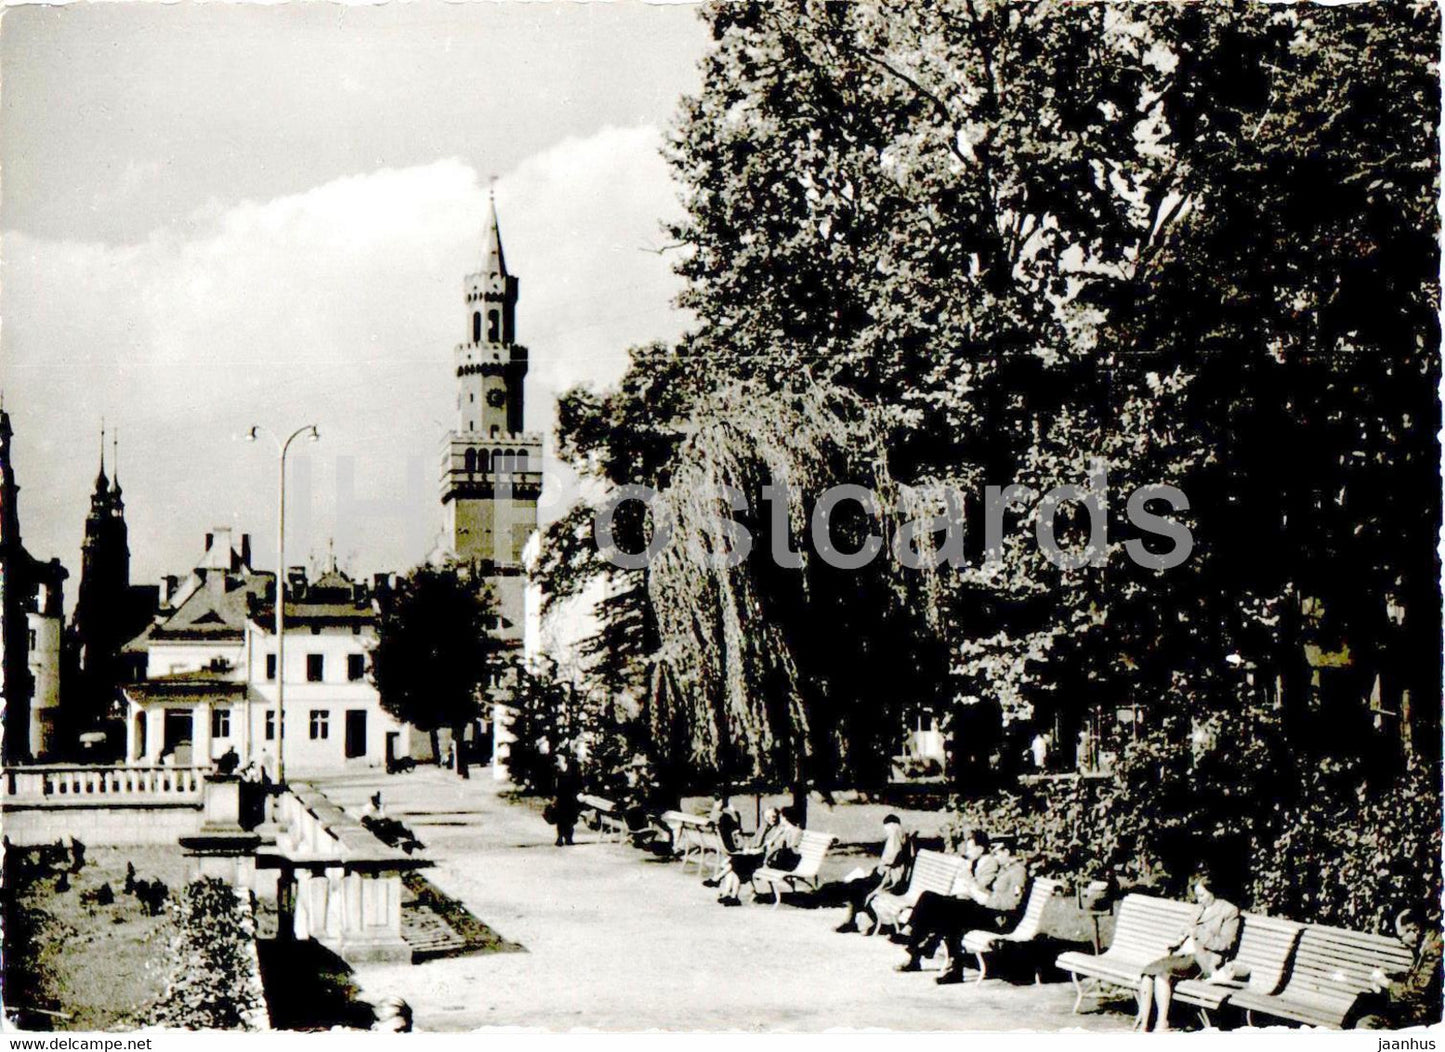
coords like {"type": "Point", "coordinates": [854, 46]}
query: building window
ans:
{"type": "Point", "coordinates": [315, 665]}
{"type": "Point", "coordinates": [476, 326]}
{"type": "Point", "coordinates": [34, 641]}
{"type": "Point", "coordinates": [471, 459]}
{"type": "Point", "coordinates": [355, 666]}
{"type": "Point", "coordinates": [271, 666]}
{"type": "Point", "coordinates": [494, 326]}
{"type": "Point", "coordinates": [220, 723]}
{"type": "Point", "coordinates": [270, 725]}
{"type": "Point", "coordinates": [320, 724]}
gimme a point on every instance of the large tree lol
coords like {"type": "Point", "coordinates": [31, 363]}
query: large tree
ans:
{"type": "Point", "coordinates": [1195, 244]}
{"type": "Point", "coordinates": [435, 651]}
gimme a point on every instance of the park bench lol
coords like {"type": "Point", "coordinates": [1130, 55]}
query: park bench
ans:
{"type": "Point", "coordinates": [1262, 960]}
{"type": "Point", "coordinates": [1145, 930]}
{"type": "Point", "coordinates": [812, 849]}
{"type": "Point", "coordinates": [932, 871]}
{"type": "Point", "coordinates": [1329, 971]}
{"type": "Point", "coordinates": [607, 819]}
{"type": "Point", "coordinates": [694, 837]}
{"type": "Point", "coordinates": [980, 941]}
{"type": "Point", "coordinates": [610, 820]}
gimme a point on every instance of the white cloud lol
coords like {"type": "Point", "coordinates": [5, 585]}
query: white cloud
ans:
{"type": "Point", "coordinates": [339, 305]}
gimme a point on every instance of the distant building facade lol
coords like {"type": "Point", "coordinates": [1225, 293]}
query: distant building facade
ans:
{"type": "Point", "coordinates": [209, 684]}
{"type": "Point", "coordinates": [31, 622]}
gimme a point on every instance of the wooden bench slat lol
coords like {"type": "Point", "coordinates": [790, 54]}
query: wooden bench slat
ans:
{"type": "Point", "coordinates": [932, 871]}
{"type": "Point", "coordinates": [1330, 970]}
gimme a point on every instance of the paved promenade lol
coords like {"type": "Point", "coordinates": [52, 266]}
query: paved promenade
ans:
{"type": "Point", "coordinates": [618, 942]}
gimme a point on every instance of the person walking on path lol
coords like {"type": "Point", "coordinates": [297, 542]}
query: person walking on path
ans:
{"type": "Point", "coordinates": [565, 809]}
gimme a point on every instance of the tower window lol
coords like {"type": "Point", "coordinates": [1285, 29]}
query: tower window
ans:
{"type": "Point", "coordinates": [521, 460]}
{"type": "Point", "coordinates": [476, 326]}
{"type": "Point", "coordinates": [494, 326]}
{"type": "Point", "coordinates": [471, 459]}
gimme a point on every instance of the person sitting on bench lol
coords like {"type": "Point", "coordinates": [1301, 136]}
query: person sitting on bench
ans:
{"type": "Point", "coordinates": [1412, 999]}
{"type": "Point", "coordinates": [888, 875]}
{"type": "Point", "coordinates": [728, 826]}
{"type": "Point", "coordinates": [1202, 949]}
{"type": "Point", "coordinates": [744, 860]}
{"type": "Point", "coordinates": [947, 917]}
{"type": "Point", "coordinates": [774, 844]}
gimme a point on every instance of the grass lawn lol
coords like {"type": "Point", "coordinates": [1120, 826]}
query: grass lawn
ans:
{"type": "Point", "coordinates": [87, 966]}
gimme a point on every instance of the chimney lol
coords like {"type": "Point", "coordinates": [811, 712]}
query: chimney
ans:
{"type": "Point", "coordinates": [246, 550]}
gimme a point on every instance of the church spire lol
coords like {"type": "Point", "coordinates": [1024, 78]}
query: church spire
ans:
{"type": "Point", "coordinates": [102, 484]}
{"type": "Point", "coordinates": [494, 261]}
{"type": "Point", "coordinates": [115, 463]}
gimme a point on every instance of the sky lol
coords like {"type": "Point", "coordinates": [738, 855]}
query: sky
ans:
{"type": "Point", "coordinates": [219, 215]}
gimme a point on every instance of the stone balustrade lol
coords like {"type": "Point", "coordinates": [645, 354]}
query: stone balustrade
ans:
{"type": "Point", "coordinates": [101, 786]}
{"type": "Point", "coordinates": [101, 805]}
{"type": "Point", "coordinates": [347, 882]}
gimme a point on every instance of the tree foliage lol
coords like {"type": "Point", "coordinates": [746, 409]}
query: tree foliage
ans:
{"type": "Point", "coordinates": [972, 242]}
{"type": "Point", "coordinates": [435, 649]}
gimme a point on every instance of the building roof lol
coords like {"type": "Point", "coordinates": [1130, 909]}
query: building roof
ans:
{"type": "Point", "coordinates": [178, 691]}
{"type": "Point", "coordinates": [332, 599]}
{"type": "Point", "coordinates": [214, 610]}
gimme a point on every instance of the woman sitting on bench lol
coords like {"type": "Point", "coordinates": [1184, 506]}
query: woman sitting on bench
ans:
{"type": "Point", "coordinates": [774, 844]}
{"type": "Point", "coordinates": [1202, 950]}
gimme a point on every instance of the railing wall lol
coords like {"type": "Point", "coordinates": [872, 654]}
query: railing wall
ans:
{"type": "Point", "coordinates": [101, 786]}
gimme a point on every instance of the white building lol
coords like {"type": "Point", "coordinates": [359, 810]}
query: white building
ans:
{"type": "Point", "coordinates": [210, 673]}
{"type": "Point", "coordinates": [334, 717]}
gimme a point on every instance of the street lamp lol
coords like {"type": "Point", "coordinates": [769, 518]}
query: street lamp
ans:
{"type": "Point", "coordinates": [282, 449]}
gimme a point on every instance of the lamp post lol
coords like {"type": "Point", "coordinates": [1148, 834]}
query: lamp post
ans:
{"type": "Point", "coordinates": [282, 448]}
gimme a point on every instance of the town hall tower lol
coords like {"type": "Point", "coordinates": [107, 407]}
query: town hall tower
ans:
{"type": "Point", "coordinates": [491, 468]}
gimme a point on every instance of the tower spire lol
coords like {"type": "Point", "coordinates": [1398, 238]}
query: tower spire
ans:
{"type": "Point", "coordinates": [102, 484]}
{"type": "Point", "coordinates": [494, 261]}
{"type": "Point", "coordinates": [115, 462]}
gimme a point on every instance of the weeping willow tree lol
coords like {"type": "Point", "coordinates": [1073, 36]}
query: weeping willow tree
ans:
{"type": "Point", "coordinates": [774, 664]}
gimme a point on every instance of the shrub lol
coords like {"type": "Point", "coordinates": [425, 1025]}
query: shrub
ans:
{"type": "Point", "coordinates": [1317, 842]}
{"type": "Point", "coordinates": [1351, 854]}
{"type": "Point", "coordinates": [211, 982]}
